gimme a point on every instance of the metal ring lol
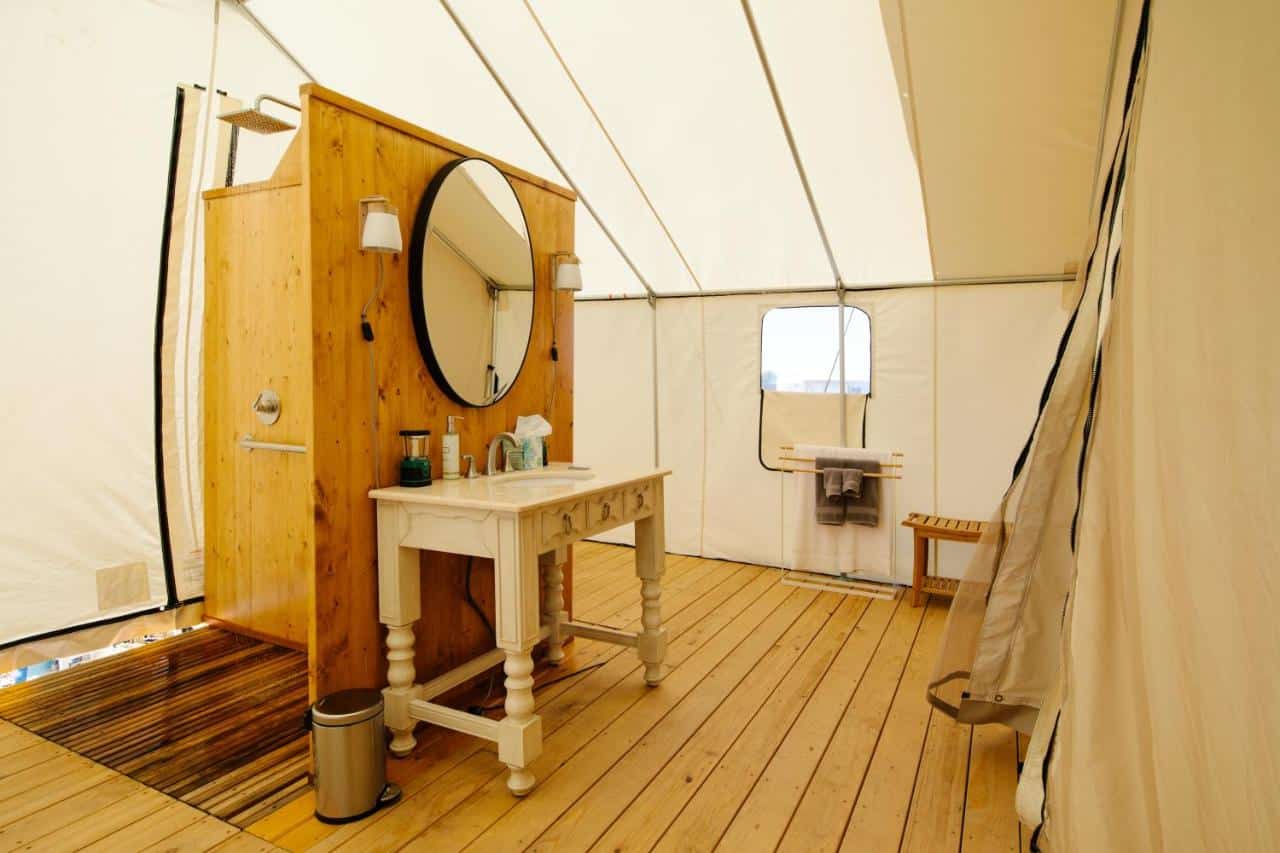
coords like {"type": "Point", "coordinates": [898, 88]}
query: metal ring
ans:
{"type": "Point", "coordinates": [568, 522]}
{"type": "Point", "coordinates": [639, 500]}
{"type": "Point", "coordinates": [607, 511]}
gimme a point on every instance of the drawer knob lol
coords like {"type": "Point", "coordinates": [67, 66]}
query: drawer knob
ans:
{"type": "Point", "coordinates": [639, 500]}
{"type": "Point", "coordinates": [606, 511]}
{"type": "Point", "coordinates": [567, 520]}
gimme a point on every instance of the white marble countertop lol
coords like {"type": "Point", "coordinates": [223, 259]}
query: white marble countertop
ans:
{"type": "Point", "coordinates": [520, 491]}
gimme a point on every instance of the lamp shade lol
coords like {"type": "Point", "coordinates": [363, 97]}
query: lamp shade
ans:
{"type": "Point", "coordinates": [381, 232]}
{"type": "Point", "coordinates": [568, 273]}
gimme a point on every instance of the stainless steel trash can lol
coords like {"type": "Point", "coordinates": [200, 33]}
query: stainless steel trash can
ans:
{"type": "Point", "coordinates": [350, 756]}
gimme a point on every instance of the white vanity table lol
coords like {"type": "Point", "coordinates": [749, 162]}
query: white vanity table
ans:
{"type": "Point", "coordinates": [522, 521]}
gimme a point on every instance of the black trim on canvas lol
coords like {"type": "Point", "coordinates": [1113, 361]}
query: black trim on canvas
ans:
{"type": "Point", "coordinates": [96, 623]}
{"type": "Point", "coordinates": [1117, 170]}
{"type": "Point", "coordinates": [1139, 49]}
{"type": "Point", "coordinates": [162, 507]}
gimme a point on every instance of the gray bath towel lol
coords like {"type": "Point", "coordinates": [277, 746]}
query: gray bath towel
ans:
{"type": "Point", "coordinates": [851, 482]}
{"type": "Point", "coordinates": [828, 497]}
{"type": "Point", "coordinates": [865, 508]}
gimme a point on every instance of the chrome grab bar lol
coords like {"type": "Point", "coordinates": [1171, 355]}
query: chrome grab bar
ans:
{"type": "Point", "coordinates": [248, 443]}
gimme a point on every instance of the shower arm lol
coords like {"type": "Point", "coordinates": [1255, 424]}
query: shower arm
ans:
{"type": "Point", "coordinates": [257, 104]}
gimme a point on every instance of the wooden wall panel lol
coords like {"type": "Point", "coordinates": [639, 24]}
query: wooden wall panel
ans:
{"type": "Point", "coordinates": [258, 528]}
{"type": "Point", "coordinates": [351, 151]}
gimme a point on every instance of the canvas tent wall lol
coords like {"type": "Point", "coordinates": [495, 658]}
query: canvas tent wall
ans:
{"type": "Point", "coordinates": [930, 348]}
{"type": "Point", "coordinates": [89, 172]}
{"type": "Point", "coordinates": [1166, 736]}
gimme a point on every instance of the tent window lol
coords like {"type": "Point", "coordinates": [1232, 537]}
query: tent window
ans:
{"type": "Point", "coordinates": [800, 350]}
{"type": "Point", "coordinates": [800, 396]}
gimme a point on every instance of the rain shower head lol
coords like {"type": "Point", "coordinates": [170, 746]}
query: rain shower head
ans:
{"type": "Point", "coordinates": [258, 121]}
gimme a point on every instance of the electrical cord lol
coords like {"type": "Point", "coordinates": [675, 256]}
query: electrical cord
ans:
{"type": "Point", "coordinates": [483, 706]}
{"type": "Point", "coordinates": [366, 331]}
{"type": "Point", "coordinates": [474, 605]}
{"type": "Point", "coordinates": [480, 708]}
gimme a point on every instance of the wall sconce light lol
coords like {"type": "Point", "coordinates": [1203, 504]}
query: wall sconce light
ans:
{"type": "Point", "coordinates": [568, 271]}
{"type": "Point", "coordinates": [379, 226]}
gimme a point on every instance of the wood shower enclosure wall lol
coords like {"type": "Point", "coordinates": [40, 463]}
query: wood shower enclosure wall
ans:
{"type": "Point", "coordinates": [290, 552]}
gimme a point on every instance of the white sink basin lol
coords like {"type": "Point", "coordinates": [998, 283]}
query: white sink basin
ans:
{"type": "Point", "coordinates": [541, 479]}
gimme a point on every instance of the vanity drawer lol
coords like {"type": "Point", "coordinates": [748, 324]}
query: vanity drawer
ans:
{"type": "Point", "coordinates": [561, 523]}
{"type": "Point", "coordinates": [604, 510]}
{"type": "Point", "coordinates": [638, 499]}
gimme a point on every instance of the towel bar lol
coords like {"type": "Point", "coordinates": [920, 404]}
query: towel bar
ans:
{"type": "Point", "coordinates": [248, 443]}
{"type": "Point", "coordinates": [811, 459]}
{"type": "Point", "coordinates": [815, 471]}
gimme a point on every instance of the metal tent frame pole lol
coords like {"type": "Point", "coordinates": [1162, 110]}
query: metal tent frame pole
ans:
{"type": "Point", "coordinates": [813, 208]}
{"type": "Point", "coordinates": [651, 294]}
{"type": "Point", "coordinates": [1053, 278]}
{"type": "Point", "coordinates": [242, 5]}
{"type": "Point", "coordinates": [528, 122]}
{"type": "Point", "coordinates": [573, 81]}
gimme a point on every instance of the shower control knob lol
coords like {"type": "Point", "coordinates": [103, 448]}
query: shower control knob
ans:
{"type": "Point", "coordinates": [267, 407]}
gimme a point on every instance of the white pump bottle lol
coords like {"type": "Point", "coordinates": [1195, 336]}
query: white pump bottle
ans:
{"type": "Point", "coordinates": [449, 450]}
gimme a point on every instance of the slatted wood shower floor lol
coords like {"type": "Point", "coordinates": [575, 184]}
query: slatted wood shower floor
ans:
{"type": "Point", "coordinates": [211, 718]}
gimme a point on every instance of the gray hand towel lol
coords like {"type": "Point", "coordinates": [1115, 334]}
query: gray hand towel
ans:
{"type": "Point", "coordinates": [851, 482]}
{"type": "Point", "coordinates": [865, 508]}
{"type": "Point", "coordinates": [833, 481]}
{"type": "Point", "coordinates": [828, 496]}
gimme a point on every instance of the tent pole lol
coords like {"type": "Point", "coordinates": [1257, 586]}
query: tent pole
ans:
{"type": "Point", "coordinates": [1054, 278]}
{"type": "Point", "coordinates": [271, 37]}
{"type": "Point", "coordinates": [528, 122]}
{"type": "Point", "coordinates": [844, 405]}
{"type": "Point", "coordinates": [1106, 101]}
{"type": "Point", "coordinates": [653, 331]}
{"type": "Point", "coordinates": [791, 140]}
{"type": "Point", "coordinates": [612, 144]}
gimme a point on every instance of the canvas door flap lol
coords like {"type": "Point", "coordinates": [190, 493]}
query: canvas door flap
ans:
{"type": "Point", "coordinates": [1008, 614]}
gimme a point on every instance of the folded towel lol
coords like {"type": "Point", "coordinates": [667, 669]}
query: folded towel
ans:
{"type": "Point", "coordinates": [864, 509]}
{"type": "Point", "coordinates": [829, 500]}
{"type": "Point", "coordinates": [851, 482]}
{"type": "Point", "coordinates": [833, 482]}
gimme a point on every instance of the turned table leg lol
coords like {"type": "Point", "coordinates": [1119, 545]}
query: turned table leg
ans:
{"type": "Point", "coordinates": [517, 609]}
{"type": "Point", "coordinates": [399, 606]}
{"type": "Point", "coordinates": [520, 735]}
{"type": "Point", "coordinates": [651, 645]}
{"type": "Point", "coordinates": [553, 606]}
{"type": "Point", "coordinates": [400, 673]}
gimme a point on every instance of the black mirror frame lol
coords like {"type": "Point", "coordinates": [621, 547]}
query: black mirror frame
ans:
{"type": "Point", "coordinates": [418, 308]}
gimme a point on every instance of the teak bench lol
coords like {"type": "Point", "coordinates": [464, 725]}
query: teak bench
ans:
{"type": "Point", "coordinates": [926, 527]}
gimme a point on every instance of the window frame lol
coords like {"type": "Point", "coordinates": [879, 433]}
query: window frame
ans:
{"type": "Point", "coordinates": [843, 393]}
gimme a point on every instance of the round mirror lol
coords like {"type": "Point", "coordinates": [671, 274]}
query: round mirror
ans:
{"type": "Point", "coordinates": [471, 281]}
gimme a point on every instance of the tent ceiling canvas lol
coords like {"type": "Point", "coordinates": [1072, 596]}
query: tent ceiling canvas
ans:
{"type": "Point", "coordinates": [938, 140]}
{"type": "Point", "coordinates": [941, 140]}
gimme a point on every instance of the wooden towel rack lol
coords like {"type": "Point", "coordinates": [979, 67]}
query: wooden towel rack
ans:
{"type": "Point", "coordinates": [896, 474]}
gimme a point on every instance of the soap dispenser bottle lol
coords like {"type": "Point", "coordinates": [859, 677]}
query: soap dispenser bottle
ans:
{"type": "Point", "coordinates": [449, 450]}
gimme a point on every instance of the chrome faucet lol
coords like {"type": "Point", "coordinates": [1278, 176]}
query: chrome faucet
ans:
{"type": "Point", "coordinates": [507, 442]}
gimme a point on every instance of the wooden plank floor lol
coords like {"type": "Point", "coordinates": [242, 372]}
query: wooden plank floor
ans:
{"type": "Point", "coordinates": [52, 799]}
{"type": "Point", "coordinates": [209, 717]}
{"type": "Point", "coordinates": [790, 719]}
